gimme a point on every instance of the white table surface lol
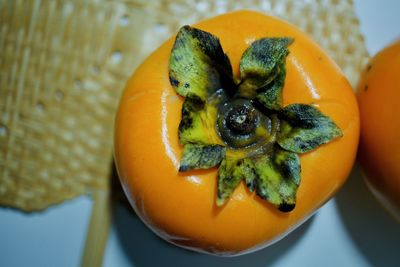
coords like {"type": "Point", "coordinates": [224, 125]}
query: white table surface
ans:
{"type": "Point", "coordinates": [350, 230]}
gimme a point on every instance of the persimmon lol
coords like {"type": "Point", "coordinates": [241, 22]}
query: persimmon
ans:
{"type": "Point", "coordinates": [377, 93]}
{"type": "Point", "coordinates": [233, 133]}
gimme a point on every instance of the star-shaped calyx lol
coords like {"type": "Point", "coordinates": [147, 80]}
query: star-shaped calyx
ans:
{"type": "Point", "coordinates": [240, 124]}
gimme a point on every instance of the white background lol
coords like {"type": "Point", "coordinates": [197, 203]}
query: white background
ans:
{"type": "Point", "coordinates": [350, 230]}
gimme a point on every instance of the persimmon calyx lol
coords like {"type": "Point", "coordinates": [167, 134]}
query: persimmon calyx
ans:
{"type": "Point", "coordinates": [242, 126]}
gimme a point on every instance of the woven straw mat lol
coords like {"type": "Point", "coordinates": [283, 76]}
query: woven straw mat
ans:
{"type": "Point", "coordinates": [63, 65]}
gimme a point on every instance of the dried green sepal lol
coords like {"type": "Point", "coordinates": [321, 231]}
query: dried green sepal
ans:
{"type": "Point", "coordinates": [260, 64]}
{"type": "Point", "coordinates": [198, 65]}
{"type": "Point", "coordinates": [303, 128]}
{"type": "Point", "coordinates": [278, 177]}
{"type": "Point", "coordinates": [198, 156]}
{"type": "Point", "coordinates": [228, 180]}
{"type": "Point", "coordinates": [247, 169]}
{"type": "Point", "coordinates": [270, 96]}
{"type": "Point", "coordinates": [199, 119]}
{"type": "Point", "coordinates": [230, 173]}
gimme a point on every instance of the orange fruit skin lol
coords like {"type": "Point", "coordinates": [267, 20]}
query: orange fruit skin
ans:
{"type": "Point", "coordinates": [180, 207]}
{"type": "Point", "coordinates": [378, 94]}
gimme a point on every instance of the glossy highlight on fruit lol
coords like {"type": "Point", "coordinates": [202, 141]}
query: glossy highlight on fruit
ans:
{"type": "Point", "coordinates": [180, 206]}
{"type": "Point", "coordinates": [378, 94]}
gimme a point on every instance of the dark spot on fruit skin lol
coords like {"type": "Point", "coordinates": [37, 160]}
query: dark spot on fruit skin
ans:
{"type": "Point", "coordinates": [369, 67]}
{"type": "Point", "coordinates": [365, 88]}
{"type": "Point", "coordinates": [320, 58]}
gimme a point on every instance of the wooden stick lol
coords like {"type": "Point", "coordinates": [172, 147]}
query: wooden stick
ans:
{"type": "Point", "coordinates": [97, 234]}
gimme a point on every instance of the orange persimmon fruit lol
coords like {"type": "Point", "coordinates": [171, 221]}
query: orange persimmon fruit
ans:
{"type": "Point", "coordinates": [379, 153]}
{"type": "Point", "coordinates": [180, 207]}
